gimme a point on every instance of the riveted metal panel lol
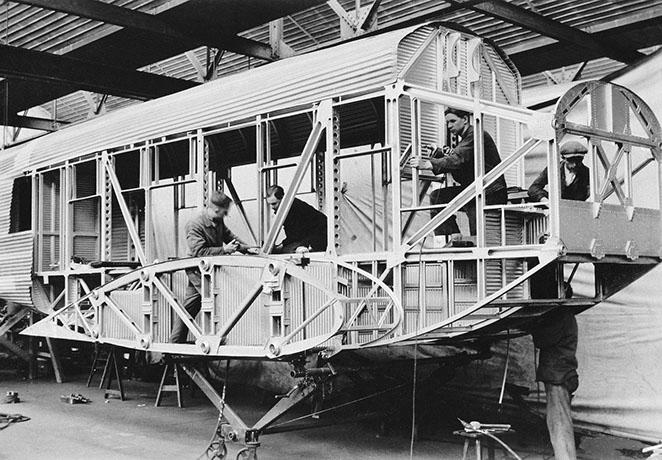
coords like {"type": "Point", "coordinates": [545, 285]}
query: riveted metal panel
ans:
{"type": "Point", "coordinates": [111, 324]}
{"type": "Point", "coordinates": [507, 77]}
{"type": "Point", "coordinates": [420, 57]}
{"type": "Point", "coordinates": [16, 267]}
{"type": "Point", "coordinates": [232, 286]}
{"type": "Point", "coordinates": [325, 273]}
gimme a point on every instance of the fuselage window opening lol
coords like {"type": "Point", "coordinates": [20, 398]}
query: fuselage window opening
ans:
{"type": "Point", "coordinates": [21, 205]}
{"type": "Point", "coordinates": [171, 161]}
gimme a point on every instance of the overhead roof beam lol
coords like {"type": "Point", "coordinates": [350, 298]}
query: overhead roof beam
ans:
{"type": "Point", "coordinates": [538, 23]}
{"type": "Point", "coordinates": [133, 19]}
{"type": "Point", "coordinates": [42, 124]}
{"type": "Point", "coordinates": [33, 65]}
{"type": "Point", "coordinates": [642, 34]}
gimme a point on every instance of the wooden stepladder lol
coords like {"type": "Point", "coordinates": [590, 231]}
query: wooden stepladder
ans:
{"type": "Point", "coordinates": [175, 387]}
{"type": "Point", "coordinates": [107, 358]}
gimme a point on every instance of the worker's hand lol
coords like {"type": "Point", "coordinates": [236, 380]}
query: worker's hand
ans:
{"type": "Point", "coordinates": [230, 247]}
{"type": "Point", "coordinates": [420, 163]}
{"type": "Point", "coordinates": [252, 250]}
{"type": "Point", "coordinates": [544, 199]}
{"type": "Point", "coordinates": [428, 149]}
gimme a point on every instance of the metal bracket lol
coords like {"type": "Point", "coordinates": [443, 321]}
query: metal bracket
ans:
{"type": "Point", "coordinates": [597, 249]}
{"type": "Point", "coordinates": [631, 250]}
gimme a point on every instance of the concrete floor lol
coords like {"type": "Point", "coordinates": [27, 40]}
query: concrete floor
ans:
{"type": "Point", "coordinates": [135, 429]}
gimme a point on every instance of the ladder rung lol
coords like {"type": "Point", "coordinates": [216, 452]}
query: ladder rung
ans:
{"type": "Point", "coordinates": [424, 208]}
{"type": "Point", "coordinates": [482, 316]}
{"type": "Point", "coordinates": [367, 300]}
{"type": "Point", "coordinates": [544, 302]}
{"type": "Point", "coordinates": [445, 331]}
{"type": "Point", "coordinates": [272, 167]}
{"type": "Point", "coordinates": [367, 328]}
{"type": "Point", "coordinates": [169, 387]}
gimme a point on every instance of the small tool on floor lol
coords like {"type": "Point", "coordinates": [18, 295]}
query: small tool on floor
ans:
{"type": "Point", "coordinates": [8, 419]}
{"type": "Point", "coordinates": [11, 397]}
{"type": "Point", "coordinates": [74, 399]}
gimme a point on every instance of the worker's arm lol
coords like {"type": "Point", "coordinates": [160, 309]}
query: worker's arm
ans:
{"type": "Point", "coordinates": [453, 160]}
{"type": "Point", "coordinates": [199, 247]}
{"type": "Point", "coordinates": [537, 189]}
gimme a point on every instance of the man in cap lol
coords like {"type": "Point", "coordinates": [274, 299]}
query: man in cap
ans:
{"type": "Point", "coordinates": [575, 183]}
{"type": "Point", "coordinates": [206, 235]}
{"type": "Point", "coordinates": [557, 335]}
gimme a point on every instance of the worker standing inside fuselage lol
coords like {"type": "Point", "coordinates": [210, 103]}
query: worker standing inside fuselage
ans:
{"type": "Point", "coordinates": [459, 161]}
{"type": "Point", "coordinates": [206, 235]}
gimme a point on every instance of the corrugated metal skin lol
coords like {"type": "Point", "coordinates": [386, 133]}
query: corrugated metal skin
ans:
{"type": "Point", "coordinates": [12, 165]}
{"type": "Point", "coordinates": [232, 285]}
{"type": "Point", "coordinates": [16, 267]}
{"type": "Point", "coordinates": [111, 324]}
{"type": "Point", "coordinates": [342, 70]}
{"type": "Point", "coordinates": [325, 274]}
{"type": "Point", "coordinates": [424, 68]}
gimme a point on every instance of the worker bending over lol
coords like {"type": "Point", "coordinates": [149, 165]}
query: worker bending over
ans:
{"type": "Point", "coordinates": [304, 225]}
{"type": "Point", "coordinates": [206, 235]}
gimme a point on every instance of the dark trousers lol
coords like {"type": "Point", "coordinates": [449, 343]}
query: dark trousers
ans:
{"type": "Point", "coordinates": [192, 304]}
{"type": "Point", "coordinates": [446, 194]}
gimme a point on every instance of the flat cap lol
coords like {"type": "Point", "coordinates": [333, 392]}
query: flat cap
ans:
{"type": "Point", "coordinates": [573, 149]}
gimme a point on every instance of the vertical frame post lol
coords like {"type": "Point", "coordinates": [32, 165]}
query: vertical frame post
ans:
{"type": "Point", "coordinates": [479, 172]}
{"type": "Point", "coordinates": [554, 184]}
{"type": "Point", "coordinates": [66, 226]}
{"type": "Point", "coordinates": [201, 168]}
{"type": "Point", "coordinates": [393, 94]}
{"type": "Point", "coordinates": [145, 180]}
{"type": "Point", "coordinates": [262, 214]}
{"type": "Point", "coordinates": [415, 105]}
{"type": "Point", "coordinates": [105, 193]}
{"type": "Point", "coordinates": [329, 117]}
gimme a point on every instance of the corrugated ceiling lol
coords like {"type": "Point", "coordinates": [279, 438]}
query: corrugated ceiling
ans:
{"type": "Point", "coordinates": [35, 28]}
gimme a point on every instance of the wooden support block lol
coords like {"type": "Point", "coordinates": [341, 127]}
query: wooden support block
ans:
{"type": "Point", "coordinates": [166, 388]}
{"type": "Point", "coordinates": [110, 368]}
{"type": "Point", "coordinates": [55, 360]}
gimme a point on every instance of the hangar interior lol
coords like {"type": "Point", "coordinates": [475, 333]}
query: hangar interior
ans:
{"type": "Point", "coordinates": [64, 64]}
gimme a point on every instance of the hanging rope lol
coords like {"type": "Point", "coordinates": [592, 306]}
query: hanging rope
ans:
{"type": "Point", "coordinates": [413, 387]}
{"type": "Point", "coordinates": [505, 373]}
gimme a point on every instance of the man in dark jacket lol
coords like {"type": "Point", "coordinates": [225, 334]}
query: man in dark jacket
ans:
{"type": "Point", "coordinates": [575, 183]}
{"type": "Point", "coordinates": [304, 225]}
{"type": "Point", "coordinates": [557, 335]}
{"type": "Point", "coordinates": [206, 235]}
{"type": "Point", "coordinates": [459, 161]}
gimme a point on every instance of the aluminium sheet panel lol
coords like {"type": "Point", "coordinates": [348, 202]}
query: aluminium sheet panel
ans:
{"type": "Point", "coordinates": [16, 267]}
